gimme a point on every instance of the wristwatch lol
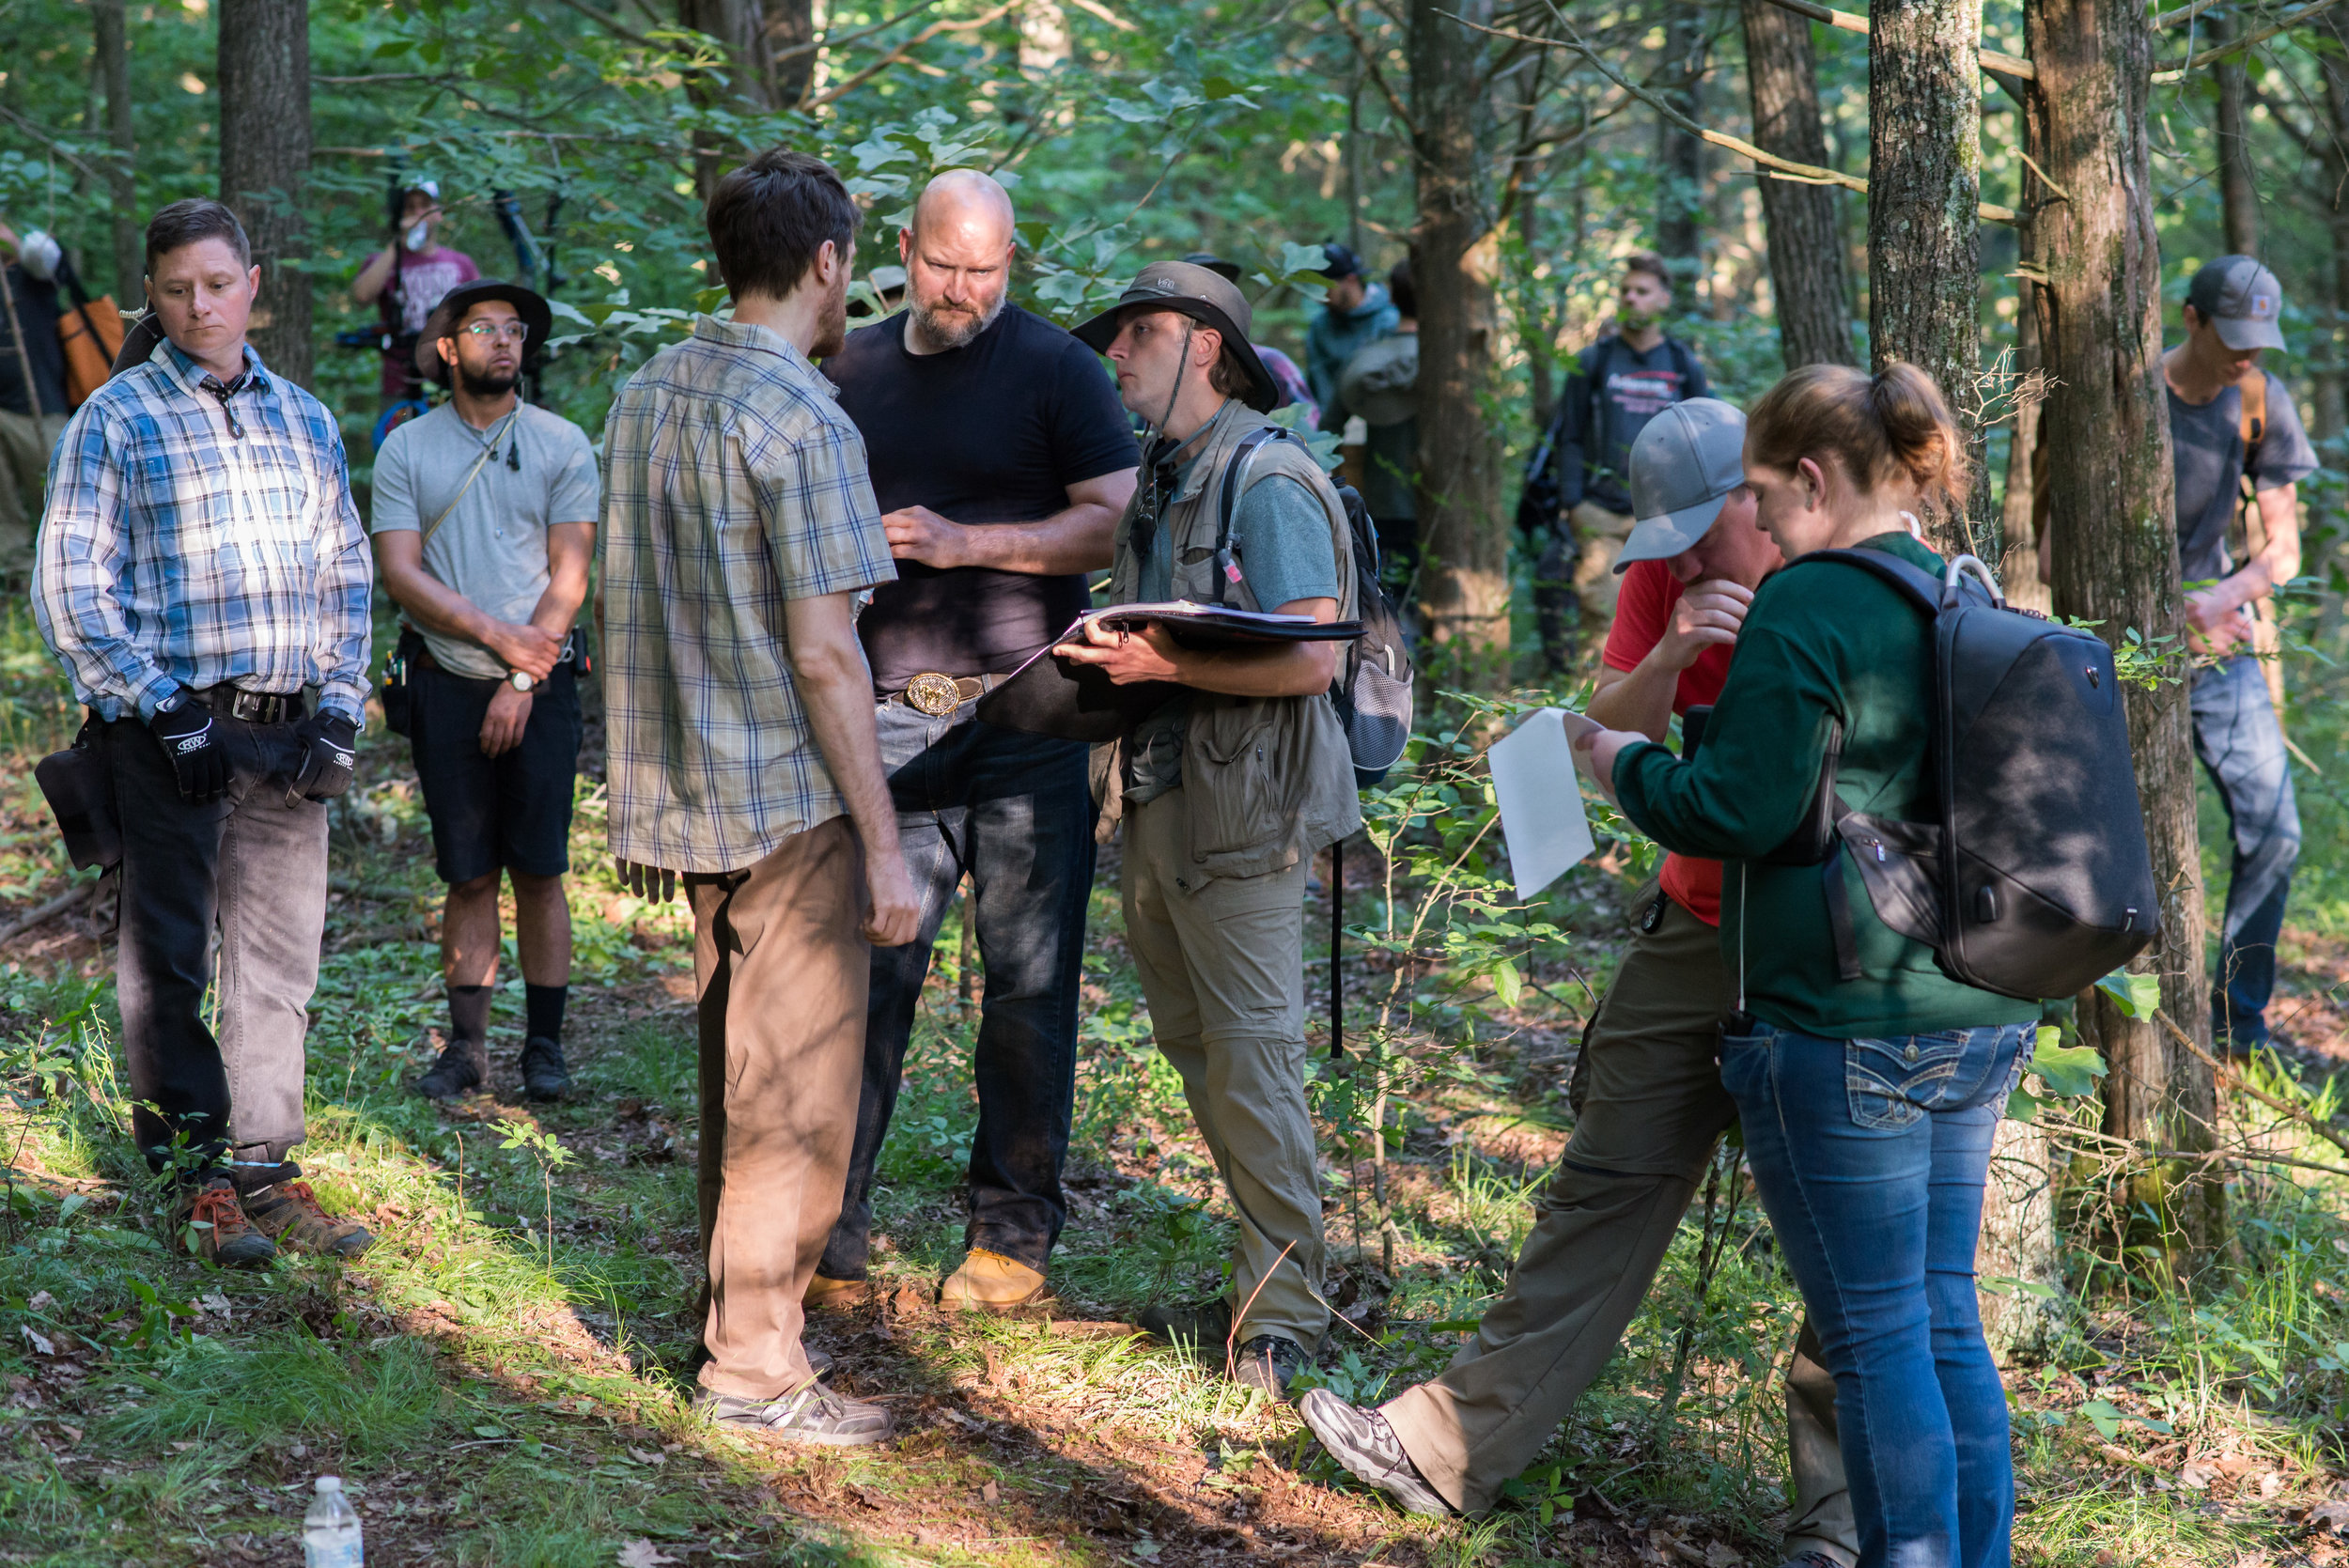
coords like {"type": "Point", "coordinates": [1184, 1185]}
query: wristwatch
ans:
{"type": "Point", "coordinates": [520, 680]}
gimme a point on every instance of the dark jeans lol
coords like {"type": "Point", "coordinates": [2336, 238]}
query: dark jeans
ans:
{"type": "Point", "coordinates": [2237, 735]}
{"type": "Point", "coordinates": [254, 869]}
{"type": "Point", "coordinates": [1016, 812]}
{"type": "Point", "coordinates": [1869, 1156]}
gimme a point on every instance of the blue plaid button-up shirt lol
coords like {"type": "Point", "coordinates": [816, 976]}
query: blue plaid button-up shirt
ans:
{"type": "Point", "coordinates": [178, 552]}
{"type": "Point", "coordinates": [734, 484]}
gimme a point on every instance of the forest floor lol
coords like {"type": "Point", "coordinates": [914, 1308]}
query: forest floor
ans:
{"type": "Point", "coordinates": [502, 1380]}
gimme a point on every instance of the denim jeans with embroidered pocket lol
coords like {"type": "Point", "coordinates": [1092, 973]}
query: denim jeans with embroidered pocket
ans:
{"type": "Point", "coordinates": [1892, 1082]}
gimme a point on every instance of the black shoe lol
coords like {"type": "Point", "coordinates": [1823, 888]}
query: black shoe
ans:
{"type": "Point", "coordinates": [464, 1065]}
{"type": "Point", "coordinates": [1364, 1442]}
{"type": "Point", "coordinates": [544, 1075]}
{"type": "Point", "coordinates": [1208, 1326]}
{"type": "Point", "coordinates": [1268, 1362]}
{"type": "Point", "coordinates": [813, 1414]}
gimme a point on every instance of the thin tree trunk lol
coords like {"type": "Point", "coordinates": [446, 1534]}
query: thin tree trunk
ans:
{"type": "Point", "coordinates": [114, 60]}
{"type": "Point", "coordinates": [1679, 154]}
{"type": "Point", "coordinates": [2238, 198]}
{"type": "Point", "coordinates": [264, 71]}
{"type": "Point", "coordinates": [745, 85]}
{"type": "Point", "coordinates": [2332, 372]}
{"type": "Point", "coordinates": [1464, 580]}
{"type": "Point", "coordinates": [2115, 538]}
{"type": "Point", "coordinates": [2018, 571]}
{"type": "Point", "coordinates": [1808, 284]}
{"type": "Point", "coordinates": [1924, 235]}
{"type": "Point", "coordinates": [790, 25]}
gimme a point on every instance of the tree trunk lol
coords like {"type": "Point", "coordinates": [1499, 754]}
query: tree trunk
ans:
{"type": "Point", "coordinates": [114, 62]}
{"type": "Point", "coordinates": [1924, 233]}
{"type": "Point", "coordinates": [2238, 198]}
{"type": "Point", "coordinates": [2018, 571]}
{"type": "Point", "coordinates": [2018, 1245]}
{"type": "Point", "coordinates": [264, 71]}
{"type": "Point", "coordinates": [1464, 580]}
{"type": "Point", "coordinates": [791, 65]}
{"type": "Point", "coordinates": [1808, 284]}
{"type": "Point", "coordinates": [2331, 368]}
{"type": "Point", "coordinates": [745, 86]}
{"type": "Point", "coordinates": [2115, 538]}
{"type": "Point", "coordinates": [1679, 155]}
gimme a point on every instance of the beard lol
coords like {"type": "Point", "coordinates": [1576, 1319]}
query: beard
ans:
{"type": "Point", "coordinates": [833, 334]}
{"type": "Point", "coordinates": [953, 327]}
{"type": "Point", "coordinates": [490, 385]}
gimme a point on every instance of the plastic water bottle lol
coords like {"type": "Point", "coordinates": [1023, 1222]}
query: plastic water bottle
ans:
{"type": "Point", "coordinates": [330, 1530]}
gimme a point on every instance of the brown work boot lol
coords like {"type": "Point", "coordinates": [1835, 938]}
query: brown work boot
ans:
{"type": "Point", "coordinates": [289, 1214]}
{"type": "Point", "coordinates": [823, 1291]}
{"type": "Point", "coordinates": [221, 1234]}
{"type": "Point", "coordinates": [991, 1282]}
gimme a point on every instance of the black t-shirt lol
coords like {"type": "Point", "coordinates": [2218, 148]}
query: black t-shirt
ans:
{"type": "Point", "coordinates": [995, 432]}
{"type": "Point", "coordinates": [2206, 446]}
{"type": "Point", "coordinates": [37, 310]}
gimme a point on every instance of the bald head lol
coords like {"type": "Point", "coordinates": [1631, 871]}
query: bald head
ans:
{"type": "Point", "coordinates": [958, 258]}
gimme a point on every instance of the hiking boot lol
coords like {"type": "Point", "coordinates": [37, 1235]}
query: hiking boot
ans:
{"type": "Point", "coordinates": [544, 1075]}
{"type": "Point", "coordinates": [1268, 1362]}
{"type": "Point", "coordinates": [1364, 1442]}
{"type": "Point", "coordinates": [825, 1292]}
{"type": "Point", "coordinates": [1207, 1324]}
{"type": "Point", "coordinates": [814, 1415]}
{"type": "Point", "coordinates": [991, 1282]}
{"type": "Point", "coordinates": [464, 1066]}
{"type": "Point", "coordinates": [223, 1234]}
{"type": "Point", "coordinates": [289, 1214]}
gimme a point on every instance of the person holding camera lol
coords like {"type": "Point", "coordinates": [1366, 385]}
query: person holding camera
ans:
{"type": "Point", "coordinates": [33, 405]}
{"type": "Point", "coordinates": [485, 524]}
{"type": "Point", "coordinates": [406, 281]}
{"type": "Point", "coordinates": [1229, 790]}
{"type": "Point", "coordinates": [1648, 1103]}
{"type": "Point", "coordinates": [201, 573]}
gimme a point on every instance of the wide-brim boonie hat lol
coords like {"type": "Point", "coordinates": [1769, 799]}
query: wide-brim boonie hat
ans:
{"type": "Point", "coordinates": [537, 320]}
{"type": "Point", "coordinates": [1205, 298]}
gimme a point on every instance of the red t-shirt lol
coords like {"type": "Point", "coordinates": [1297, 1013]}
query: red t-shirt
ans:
{"type": "Point", "coordinates": [1642, 614]}
{"type": "Point", "coordinates": [405, 304]}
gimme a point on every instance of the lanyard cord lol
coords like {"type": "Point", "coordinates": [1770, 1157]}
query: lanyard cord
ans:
{"type": "Point", "coordinates": [1741, 936]}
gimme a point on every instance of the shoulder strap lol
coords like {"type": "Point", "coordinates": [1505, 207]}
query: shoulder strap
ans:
{"type": "Point", "coordinates": [1917, 585]}
{"type": "Point", "coordinates": [471, 474]}
{"type": "Point", "coordinates": [1235, 480]}
{"type": "Point", "coordinates": [1682, 360]}
{"type": "Point", "coordinates": [2252, 422]}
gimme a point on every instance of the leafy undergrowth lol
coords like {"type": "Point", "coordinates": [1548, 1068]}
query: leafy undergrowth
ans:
{"type": "Point", "coordinates": [503, 1379]}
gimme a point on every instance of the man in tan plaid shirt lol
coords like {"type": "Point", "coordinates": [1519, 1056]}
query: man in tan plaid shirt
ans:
{"type": "Point", "coordinates": [739, 529]}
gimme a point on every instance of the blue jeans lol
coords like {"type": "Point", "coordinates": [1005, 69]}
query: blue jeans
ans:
{"type": "Point", "coordinates": [2237, 735]}
{"type": "Point", "coordinates": [1014, 812]}
{"type": "Point", "coordinates": [1869, 1156]}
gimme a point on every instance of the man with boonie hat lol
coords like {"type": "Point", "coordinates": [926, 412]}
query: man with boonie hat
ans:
{"type": "Point", "coordinates": [1228, 790]}
{"type": "Point", "coordinates": [1355, 313]}
{"type": "Point", "coordinates": [485, 514]}
{"type": "Point", "coordinates": [1648, 1102]}
{"type": "Point", "coordinates": [2232, 430]}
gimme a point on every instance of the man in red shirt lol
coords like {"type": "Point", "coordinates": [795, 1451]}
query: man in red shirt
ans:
{"type": "Point", "coordinates": [1647, 1095]}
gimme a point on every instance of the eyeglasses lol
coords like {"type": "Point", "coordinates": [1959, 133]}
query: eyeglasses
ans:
{"type": "Point", "coordinates": [509, 331]}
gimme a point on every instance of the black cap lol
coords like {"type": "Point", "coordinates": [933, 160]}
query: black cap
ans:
{"type": "Point", "coordinates": [537, 320]}
{"type": "Point", "coordinates": [1215, 264]}
{"type": "Point", "coordinates": [1208, 297]}
{"type": "Point", "coordinates": [1339, 262]}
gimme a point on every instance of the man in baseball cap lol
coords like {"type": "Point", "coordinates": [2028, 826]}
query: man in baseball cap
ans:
{"type": "Point", "coordinates": [1355, 313]}
{"type": "Point", "coordinates": [2232, 430]}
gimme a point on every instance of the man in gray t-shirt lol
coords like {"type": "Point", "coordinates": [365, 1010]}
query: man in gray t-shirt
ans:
{"type": "Point", "coordinates": [484, 526]}
{"type": "Point", "coordinates": [2230, 315]}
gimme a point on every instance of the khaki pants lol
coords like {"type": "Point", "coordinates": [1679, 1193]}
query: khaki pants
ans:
{"type": "Point", "coordinates": [1655, 1106]}
{"type": "Point", "coordinates": [781, 964]}
{"type": "Point", "coordinates": [1602, 534]}
{"type": "Point", "coordinates": [24, 448]}
{"type": "Point", "coordinates": [1222, 966]}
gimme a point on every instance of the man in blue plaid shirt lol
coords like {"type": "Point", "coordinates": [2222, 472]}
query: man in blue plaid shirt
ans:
{"type": "Point", "coordinates": [201, 572]}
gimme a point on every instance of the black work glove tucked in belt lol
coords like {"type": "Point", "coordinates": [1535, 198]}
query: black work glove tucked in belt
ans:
{"type": "Point", "coordinates": [327, 760]}
{"type": "Point", "coordinates": [192, 741]}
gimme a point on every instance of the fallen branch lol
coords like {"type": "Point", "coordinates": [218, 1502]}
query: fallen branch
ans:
{"type": "Point", "coordinates": [1992, 59]}
{"type": "Point", "coordinates": [32, 129]}
{"type": "Point", "coordinates": [2235, 1080]}
{"type": "Point", "coordinates": [42, 914]}
{"type": "Point", "coordinates": [1370, 66]}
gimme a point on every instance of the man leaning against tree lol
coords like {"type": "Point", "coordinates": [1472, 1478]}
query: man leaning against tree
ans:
{"type": "Point", "coordinates": [739, 529]}
{"type": "Point", "coordinates": [1002, 459]}
{"type": "Point", "coordinates": [201, 571]}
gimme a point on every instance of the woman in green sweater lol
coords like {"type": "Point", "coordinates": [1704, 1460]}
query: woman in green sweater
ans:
{"type": "Point", "coordinates": [1868, 1103]}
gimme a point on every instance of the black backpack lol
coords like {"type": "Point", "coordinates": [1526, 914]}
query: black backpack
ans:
{"type": "Point", "coordinates": [2035, 881]}
{"type": "Point", "coordinates": [1373, 689]}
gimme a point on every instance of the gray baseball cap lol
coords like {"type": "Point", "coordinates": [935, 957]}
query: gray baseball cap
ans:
{"type": "Point", "coordinates": [2241, 299]}
{"type": "Point", "coordinates": [1683, 467]}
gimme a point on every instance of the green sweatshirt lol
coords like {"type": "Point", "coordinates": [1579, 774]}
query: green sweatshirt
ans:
{"type": "Point", "coordinates": [1823, 643]}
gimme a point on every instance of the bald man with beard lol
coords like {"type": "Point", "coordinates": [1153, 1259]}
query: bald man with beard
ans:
{"type": "Point", "coordinates": [1001, 460]}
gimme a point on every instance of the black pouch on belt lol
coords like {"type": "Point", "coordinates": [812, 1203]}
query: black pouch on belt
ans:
{"type": "Point", "coordinates": [81, 796]}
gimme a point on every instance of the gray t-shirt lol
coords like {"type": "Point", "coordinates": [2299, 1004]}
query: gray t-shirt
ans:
{"type": "Point", "coordinates": [492, 547]}
{"type": "Point", "coordinates": [2206, 440]}
{"type": "Point", "coordinates": [1282, 536]}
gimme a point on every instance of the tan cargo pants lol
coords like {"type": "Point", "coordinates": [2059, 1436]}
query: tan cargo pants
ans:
{"type": "Point", "coordinates": [24, 448]}
{"type": "Point", "coordinates": [1653, 1109]}
{"type": "Point", "coordinates": [782, 967]}
{"type": "Point", "coordinates": [1222, 966]}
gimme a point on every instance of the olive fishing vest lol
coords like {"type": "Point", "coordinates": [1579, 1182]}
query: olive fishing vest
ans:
{"type": "Point", "coordinates": [1267, 780]}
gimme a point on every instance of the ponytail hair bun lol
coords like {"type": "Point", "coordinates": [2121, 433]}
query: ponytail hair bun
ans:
{"type": "Point", "coordinates": [1892, 424]}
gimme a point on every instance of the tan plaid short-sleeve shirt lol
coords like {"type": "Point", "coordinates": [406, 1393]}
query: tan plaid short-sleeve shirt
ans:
{"type": "Point", "coordinates": [735, 483]}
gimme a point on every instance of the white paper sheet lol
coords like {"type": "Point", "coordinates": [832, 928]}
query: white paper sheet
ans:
{"type": "Point", "coordinates": [1541, 802]}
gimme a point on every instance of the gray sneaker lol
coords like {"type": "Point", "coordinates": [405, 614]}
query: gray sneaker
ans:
{"type": "Point", "coordinates": [813, 1415]}
{"type": "Point", "coordinates": [1364, 1442]}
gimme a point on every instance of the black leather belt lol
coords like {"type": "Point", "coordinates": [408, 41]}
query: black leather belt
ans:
{"type": "Point", "coordinates": [253, 708]}
{"type": "Point", "coordinates": [938, 695]}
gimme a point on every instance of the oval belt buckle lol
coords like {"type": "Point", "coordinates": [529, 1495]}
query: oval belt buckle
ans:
{"type": "Point", "coordinates": [934, 694]}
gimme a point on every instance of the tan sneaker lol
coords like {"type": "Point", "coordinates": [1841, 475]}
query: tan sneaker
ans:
{"type": "Point", "coordinates": [991, 1282]}
{"type": "Point", "coordinates": [823, 1292]}
{"type": "Point", "coordinates": [289, 1214]}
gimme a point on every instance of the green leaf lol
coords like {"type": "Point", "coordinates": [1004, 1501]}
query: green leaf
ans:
{"type": "Point", "coordinates": [2022, 1106]}
{"type": "Point", "coordinates": [2136, 995]}
{"type": "Point", "coordinates": [2106, 1416]}
{"type": "Point", "coordinates": [2068, 1071]}
{"type": "Point", "coordinates": [707, 300]}
{"type": "Point", "coordinates": [1507, 984]}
